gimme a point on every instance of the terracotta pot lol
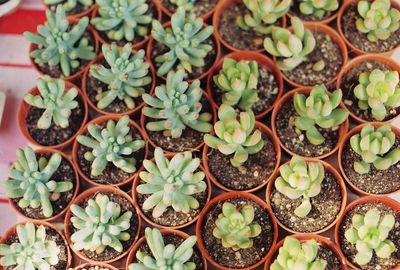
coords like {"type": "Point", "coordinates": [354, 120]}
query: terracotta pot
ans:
{"type": "Point", "coordinates": [84, 13]}
{"type": "Point", "coordinates": [251, 56]}
{"type": "Point", "coordinates": [82, 197]}
{"type": "Point", "coordinates": [352, 132]}
{"type": "Point", "coordinates": [342, 129]}
{"type": "Point", "coordinates": [224, 197]}
{"type": "Point", "coordinates": [166, 11]}
{"type": "Point", "coordinates": [23, 111]}
{"type": "Point", "coordinates": [364, 200]}
{"type": "Point", "coordinates": [339, 180]}
{"type": "Point", "coordinates": [102, 265]}
{"type": "Point", "coordinates": [326, 21]}
{"type": "Point", "coordinates": [100, 120]}
{"type": "Point", "coordinates": [265, 130]}
{"type": "Point", "coordinates": [356, 62]}
{"type": "Point", "coordinates": [132, 253]}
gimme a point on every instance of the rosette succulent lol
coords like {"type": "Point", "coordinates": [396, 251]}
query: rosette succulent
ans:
{"type": "Point", "coordinates": [69, 5]}
{"type": "Point", "coordinates": [318, 8]}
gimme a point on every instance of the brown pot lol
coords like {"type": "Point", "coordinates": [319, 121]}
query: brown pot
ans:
{"type": "Point", "coordinates": [326, 21]}
{"type": "Point", "coordinates": [261, 59]}
{"type": "Point", "coordinates": [368, 199]}
{"type": "Point", "coordinates": [306, 90]}
{"type": "Point", "coordinates": [166, 11]}
{"type": "Point", "coordinates": [99, 264]}
{"type": "Point", "coordinates": [23, 111]}
{"type": "Point", "coordinates": [224, 197]}
{"type": "Point", "coordinates": [82, 197]}
{"type": "Point", "coordinates": [79, 15]}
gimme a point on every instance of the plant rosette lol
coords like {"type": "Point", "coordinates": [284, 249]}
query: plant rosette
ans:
{"type": "Point", "coordinates": [253, 215]}
{"type": "Point", "coordinates": [326, 12]}
{"type": "Point", "coordinates": [202, 8]}
{"type": "Point", "coordinates": [94, 266]}
{"type": "Point", "coordinates": [269, 85]}
{"type": "Point", "coordinates": [78, 9]}
{"type": "Point", "coordinates": [383, 181]}
{"type": "Point", "coordinates": [379, 218]}
{"type": "Point", "coordinates": [115, 230]}
{"type": "Point", "coordinates": [123, 157]}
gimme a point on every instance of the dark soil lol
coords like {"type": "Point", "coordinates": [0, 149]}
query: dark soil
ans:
{"type": "Point", "coordinates": [92, 268]}
{"type": "Point", "coordinates": [349, 249]}
{"type": "Point", "coordinates": [76, 10]}
{"type": "Point", "coordinates": [200, 8]}
{"type": "Point", "coordinates": [295, 10]}
{"type": "Point", "coordinates": [242, 258]}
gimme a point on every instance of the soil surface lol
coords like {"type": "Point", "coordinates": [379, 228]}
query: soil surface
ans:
{"type": "Point", "coordinates": [91, 268]}
{"type": "Point", "coordinates": [76, 10]}
{"type": "Point", "coordinates": [295, 11]}
{"type": "Point", "coordinates": [200, 8]}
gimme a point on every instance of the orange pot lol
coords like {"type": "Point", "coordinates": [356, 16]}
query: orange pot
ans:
{"type": "Point", "coordinates": [84, 13]}
{"type": "Point", "coordinates": [166, 11]}
{"type": "Point", "coordinates": [99, 264]}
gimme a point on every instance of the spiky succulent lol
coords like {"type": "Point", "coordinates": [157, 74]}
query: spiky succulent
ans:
{"type": "Point", "coordinates": [378, 19]}
{"type": "Point", "coordinates": [126, 76]}
{"type": "Point", "coordinates": [235, 227]}
{"type": "Point", "coordinates": [318, 8]}
{"type": "Point", "coordinates": [374, 148]}
{"type": "Point", "coordinates": [185, 40]}
{"type": "Point", "coordinates": [31, 250]}
{"type": "Point", "coordinates": [31, 181]}
{"type": "Point", "coordinates": [99, 225]}
{"type": "Point", "coordinates": [235, 136]}
{"type": "Point", "coordinates": [69, 5]}
{"type": "Point", "coordinates": [177, 105]}
{"type": "Point", "coordinates": [378, 90]}
{"type": "Point", "coordinates": [320, 108]}
{"type": "Point", "coordinates": [239, 82]}
{"type": "Point", "coordinates": [291, 48]}
{"type": "Point", "coordinates": [165, 257]}
{"type": "Point", "coordinates": [370, 233]}
{"type": "Point", "coordinates": [296, 255]}
{"type": "Point", "coordinates": [113, 143]}
{"type": "Point", "coordinates": [300, 179]}
{"type": "Point", "coordinates": [61, 44]}
{"type": "Point", "coordinates": [186, 4]}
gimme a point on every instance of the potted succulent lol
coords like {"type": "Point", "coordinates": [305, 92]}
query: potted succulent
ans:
{"type": "Point", "coordinates": [236, 230]}
{"type": "Point", "coordinates": [370, 26]}
{"type": "Point", "coordinates": [324, 11]}
{"type": "Point", "coordinates": [368, 159]}
{"type": "Point", "coordinates": [52, 113]}
{"type": "Point", "coordinates": [115, 81]}
{"type": "Point", "coordinates": [246, 80]}
{"type": "Point", "coordinates": [202, 8]}
{"type": "Point", "coordinates": [94, 266]}
{"type": "Point", "coordinates": [368, 233]}
{"type": "Point", "coordinates": [102, 225]}
{"type": "Point", "coordinates": [73, 8]}
{"type": "Point", "coordinates": [109, 150]}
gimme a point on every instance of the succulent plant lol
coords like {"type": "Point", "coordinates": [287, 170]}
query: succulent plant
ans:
{"type": "Point", "coordinates": [186, 4]}
{"type": "Point", "coordinates": [31, 250]}
{"type": "Point", "coordinates": [292, 47]}
{"type": "Point", "coordinates": [300, 179]}
{"type": "Point", "coordinates": [177, 105]}
{"type": "Point", "coordinates": [318, 8]}
{"type": "Point", "coordinates": [60, 43]}
{"type": "Point", "coordinates": [239, 82]}
{"type": "Point", "coordinates": [99, 225]}
{"type": "Point", "coordinates": [378, 19]}
{"type": "Point", "coordinates": [235, 227]}
{"type": "Point", "coordinates": [296, 255]}
{"type": "Point", "coordinates": [374, 148]}
{"type": "Point", "coordinates": [31, 181]}
{"type": "Point", "coordinates": [113, 143]}
{"type": "Point", "coordinates": [235, 136]}
{"type": "Point", "coordinates": [165, 257]}
{"type": "Point", "coordinates": [185, 40]}
{"type": "Point", "coordinates": [126, 76]}
{"type": "Point", "coordinates": [69, 5]}
{"type": "Point", "coordinates": [319, 108]}
{"type": "Point", "coordinates": [378, 90]}
{"type": "Point", "coordinates": [370, 233]}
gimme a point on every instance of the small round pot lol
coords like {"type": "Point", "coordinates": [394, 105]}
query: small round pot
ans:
{"type": "Point", "coordinates": [84, 13]}
{"type": "Point", "coordinates": [23, 111]}
{"type": "Point", "coordinates": [306, 90]}
{"type": "Point", "coordinates": [99, 264]}
{"type": "Point", "coordinates": [262, 60]}
{"type": "Point", "coordinates": [166, 11]}
{"type": "Point", "coordinates": [326, 21]}
{"type": "Point", "coordinates": [364, 200]}
{"type": "Point", "coordinates": [343, 190]}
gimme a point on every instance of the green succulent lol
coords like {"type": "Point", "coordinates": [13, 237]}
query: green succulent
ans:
{"type": "Point", "coordinates": [235, 136]}
{"type": "Point", "coordinates": [186, 4]}
{"type": "Point", "coordinates": [60, 43]}
{"type": "Point", "coordinates": [320, 108]}
{"type": "Point", "coordinates": [239, 82]}
{"type": "Point", "coordinates": [318, 8]}
{"type": "Point", "coordinates": [378, 19]}
{"type": "Point", "coordinates": [126, 77]}
{"type": "Point", "coordinates": [185, 40]}
{"type": "Point", "coordinates": [69, 5]}
{"type": "Point", "coordinates": [123, 19]}
{"type": "Point", "coordinates": [296, 255]}
{"type": "Point", "coordinates": [113, 143]}
{"type": "Point", "coordinates": [177, 105]}
{"type": "Point", "coordinates": [235, 227]}
{"type": "Point", "coordinates": [99, 225]}
{"type": "Point", "coordinates": [32, 249]}
{"type": "Point", "coordinates": [292, 47]}
{"type": "Point", "coordinates": [30, 181]}
{"type": "Point", "coordinates": [165, 257]}
{"type": "Point", "coordinates": [374, 148]}
{"type": "Point", "coordinates": [378, 90]}
{"type": "Point", "coordinates": [370, 233]}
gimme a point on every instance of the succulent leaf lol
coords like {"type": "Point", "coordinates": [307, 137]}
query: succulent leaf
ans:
{"type": "Point", "coordinates": [318, 8]}
{"type": "Point", "coordinates": [69, 5]}
{"type": "Point", "coordinates": [186, 4]}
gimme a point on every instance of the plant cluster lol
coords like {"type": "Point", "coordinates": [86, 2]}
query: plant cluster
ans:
{"type": "Point", "coordinates": [318, 8]}
{"type": "Point", "coordinates": [69, 5]}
